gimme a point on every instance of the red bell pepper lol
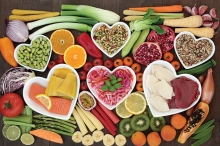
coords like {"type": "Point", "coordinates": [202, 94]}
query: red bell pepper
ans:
{"type": "Point", "coordinates": [86, 42]}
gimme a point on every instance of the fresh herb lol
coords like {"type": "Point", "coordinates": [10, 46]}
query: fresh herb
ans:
{"type": "Point", "coordinates": [112, 84]}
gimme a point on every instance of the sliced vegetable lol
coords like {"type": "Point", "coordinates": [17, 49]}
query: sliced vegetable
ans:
{"type": "Point", "coordinates": [28, 18]}
{"type": "Point", "coordinates": [11, 104]}
{"type": "Point", "coordinates": [98, 14]}
{"type": "Point", "coordinates": [171, 8]}
{"type": "Point", "coordinates": [86, 42]}
{"type": "Point", "coordinates": [127, 48]}
{"type": "Point", "coordinates": [199, 69]}
{"type": "Point", "coordinates": [208, 87]}
{"type": "Point", "coordinates": [47, 135]}
{"type": "Point", "coordinates": [14, 79]}
{"type": "Point", "coordinates": [64, 25]}
{"type": "Point", "coordinates": [17, 31]}
{"type": "Point", "coordinates": [142, 37]}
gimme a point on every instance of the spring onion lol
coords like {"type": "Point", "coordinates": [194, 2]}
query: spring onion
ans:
{"type": "Point", "coordinates": [98, 14]}
{"type": "Point", "coordinates": [65, 25]}
{"type": "Point", "coordinates": [57, 19]}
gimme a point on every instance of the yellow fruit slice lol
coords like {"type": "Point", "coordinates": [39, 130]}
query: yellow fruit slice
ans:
{"type": "Point", "coordinates": [75, 56]}
{"type": "Point", "coordinates": [45, 100]}
{"type": "Point", "coordinates": [135, 103]}
{"type": "Point", "coordinates": [122, 111]}
{"type": "Point", "coordinates": [61, 39]}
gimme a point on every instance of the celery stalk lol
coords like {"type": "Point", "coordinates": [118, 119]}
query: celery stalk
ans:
{"type": "Point", "coordinates": [57, 19]}
{"type": "Point", "coordinates": [18, 123]}
{"type": "Point", "coordinates": [20, 118]}
{"type": "Point", "coordinates": [23, 128]}
{"type": "Point", "coordinates": [29, 113]}
{"type": "Point", "coordinates": [65, 25]}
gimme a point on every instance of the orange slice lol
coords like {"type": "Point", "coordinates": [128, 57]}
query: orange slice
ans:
{"type": "Point", "coordinates": [75, 56]}
{"type": "Point", "coordinates": [45, 100]}
{"type": "Point", "coordinates": [61, 39]}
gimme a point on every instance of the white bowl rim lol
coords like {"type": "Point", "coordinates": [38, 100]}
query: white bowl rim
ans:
{"type": "Point", "coordinates": [25, 44]}
{"type": "Point", "coordinates": [147, 93]}
{"type": "Point", "coordinates": [111, 107]}
{"type": "Point", "coordinates": [44, 81]}
{"type": "Point", "coordinates": [201, 38]}
{"type": "Point", "coordinates": [103, 23]}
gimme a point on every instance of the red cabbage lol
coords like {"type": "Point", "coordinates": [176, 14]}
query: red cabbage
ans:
{"type": "Point", "coordinates": [14, 79]}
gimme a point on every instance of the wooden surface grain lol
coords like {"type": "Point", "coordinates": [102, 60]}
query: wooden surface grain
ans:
{"type": "Point", "coordinates": [117, 6]}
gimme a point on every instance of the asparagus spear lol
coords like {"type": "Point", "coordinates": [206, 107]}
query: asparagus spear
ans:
{"type": "Point", "coordinates": [70, 121]}
{"type": "Point", "coordinates": [56, 127]}
{"type": "Point", "coordinates": [54, 130]}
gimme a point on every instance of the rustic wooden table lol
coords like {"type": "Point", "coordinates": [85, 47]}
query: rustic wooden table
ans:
{"type": "Point", "coordinates": [117, 6]}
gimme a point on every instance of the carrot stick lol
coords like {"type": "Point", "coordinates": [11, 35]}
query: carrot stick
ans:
{"type": "Point", "coordinates": [27, 18]}
{"type": "Point", "coordinates": [98, 116]}
{"type": "Point", "coordinates": [47, 135]}
{"type": "Point", "coordinates": [106, 117]}
{"type": "Point", "coordinates": [110, 114]}
{"type": "Point", "coordinates": [172, 8]}
{"type": "Point", "coordinates": [27, 12]}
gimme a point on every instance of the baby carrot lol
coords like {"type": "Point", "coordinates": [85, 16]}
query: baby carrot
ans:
{"type": "Point", "coordinates": [162, 9]}
{"type": "Point", "coordinates": [27, 18]}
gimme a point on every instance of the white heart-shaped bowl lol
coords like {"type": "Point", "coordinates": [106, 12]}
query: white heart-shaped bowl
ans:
{"type": "Point", "coordinates": [92, 88]}
{"type": "Point", "coordinates": [199, 63]}
{"type": "Point", "coordinates": [28, 67]}
{"type": "Point", "coordinates": [90, 94]}
{"type": "Point", "coordinates": [44, 82]}
{"type": "Point", "coordinates": [98, 25]}
{"type": "Point", "coordinates": [148, 71]}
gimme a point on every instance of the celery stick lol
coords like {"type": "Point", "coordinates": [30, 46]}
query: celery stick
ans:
{"type": "Point", "coordinates": [18, 123]}
{"type": "Point", "coordinates": [71, 13]}
{"type": "Point", "coordinates": [141, 38]}
{"type": "Point", "coordinates": [29, 113]}
{"type": "Point", "coordinates": [23, 128]}
{"type": "Point", "coordinates": [20, 118]}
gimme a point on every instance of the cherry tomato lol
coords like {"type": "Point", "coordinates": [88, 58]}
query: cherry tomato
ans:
{"type": "Point", "coordinates": [11, 104]}
{"type": "Point", "coordinates": [83, 85]}
{"type": "Point", "coordinates": [139, 87]}
{"type": "Point", "coordinates": [176, 64]}
{"type": "Point", "coordinates": [136, 67]}
{"type": "Point", "coordinates": [97, 61]}
{"type": "Point", "coordinates": [108, 63]}
{"type": "Point", "coordinates": [51, 64]}
{"type": "Point", "coordinates": [168, 56]}
{"type": "Point", "coordinates": [60, 59]}
{"type": "Point", "coordinates": [82, 75]}
{"type": "Point", "coordinates": [118, 62]}
{"type": "Point", "coordinates": [87, 66]}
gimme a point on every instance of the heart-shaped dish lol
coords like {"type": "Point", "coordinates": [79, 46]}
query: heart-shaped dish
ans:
{"type": "Point", "coordinates": [44, 82]}
{"type": "Point", "coordinates": [32, 53]}
{"type": "Point", "coordinates": [148, 71]}
{"type": "Point", "coordinates": [95, 81]}
{"type": "Point", "coordinates": [119, 36]}
{"type": "Point", "coordinates": [193, 57]}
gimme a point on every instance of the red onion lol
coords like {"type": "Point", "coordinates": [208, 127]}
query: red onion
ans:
{"type": "Point", "coordinates": [17, 31]}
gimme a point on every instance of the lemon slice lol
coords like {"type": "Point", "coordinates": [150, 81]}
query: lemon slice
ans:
{"type": "Point", "coordinates": [135, 103]}
{"type": "Point", "coordinates": [45, 100]}
{"type": "Point", "coordinates": [122, 111]}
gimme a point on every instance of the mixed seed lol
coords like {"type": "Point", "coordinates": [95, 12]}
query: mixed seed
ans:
{"type": "Point", "coordinates": [110, 40]}
{"type": "Point", "coordinates": [191, 51]}
{"type": "Point", "coordinates": [36, 55]}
